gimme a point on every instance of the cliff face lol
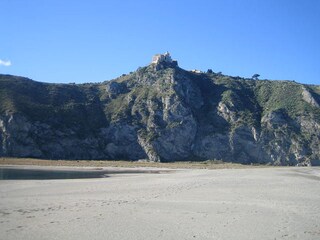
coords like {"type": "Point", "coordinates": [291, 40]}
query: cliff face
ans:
{"type": "Point", "coordinates": [162, 113]}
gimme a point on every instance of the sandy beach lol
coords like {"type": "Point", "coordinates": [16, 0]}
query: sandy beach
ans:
{"type": "Point", "coordinates": [253, 203]}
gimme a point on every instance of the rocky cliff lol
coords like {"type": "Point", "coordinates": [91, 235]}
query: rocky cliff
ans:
{"type": "Point", "coordinates": [162, 113]}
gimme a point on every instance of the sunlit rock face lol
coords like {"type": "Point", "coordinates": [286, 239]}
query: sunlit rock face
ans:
{"type": "Point", "coordinates": [162, 113]}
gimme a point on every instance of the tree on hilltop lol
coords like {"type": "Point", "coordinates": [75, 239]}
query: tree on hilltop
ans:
{"type": "Point", "coordinates": [255, 76]}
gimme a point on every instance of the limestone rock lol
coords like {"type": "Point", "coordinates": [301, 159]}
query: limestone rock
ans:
{"type": "Point", "coordinates": [162, 113]}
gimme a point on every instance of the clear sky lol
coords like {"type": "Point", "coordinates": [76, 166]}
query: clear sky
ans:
{"type": "Point", "coordinates": [96, 40]}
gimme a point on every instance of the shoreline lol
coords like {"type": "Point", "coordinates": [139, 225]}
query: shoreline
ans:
{"type": "Point", "coordinates": [31, 172]}
{"type": "Point", "coordinates": [126, 164]}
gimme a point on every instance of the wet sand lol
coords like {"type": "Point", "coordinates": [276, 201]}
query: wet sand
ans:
{"type": "Point", "coordinates": [12, 172]}
{"type": "Point", "coordinates": [255, 203]}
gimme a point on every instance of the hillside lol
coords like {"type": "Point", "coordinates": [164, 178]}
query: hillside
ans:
{"type": "Point", "coordinates": [162, 113]}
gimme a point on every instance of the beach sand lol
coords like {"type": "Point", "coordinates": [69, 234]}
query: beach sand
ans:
{"type": "Point", "coordinates": [254, 203]}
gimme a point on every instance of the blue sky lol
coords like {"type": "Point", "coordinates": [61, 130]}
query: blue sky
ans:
{"type": "Point", "coordinates": [96, 40]}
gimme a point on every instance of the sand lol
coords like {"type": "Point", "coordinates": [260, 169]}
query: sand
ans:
{"type": "Point", "coordinates": [255, 203]}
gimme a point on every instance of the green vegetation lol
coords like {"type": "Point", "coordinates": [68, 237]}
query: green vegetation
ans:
{"type": "Point", "coordinates": [155, 103]}
{"type": "Point", "coordinates": [286, 95]}
{"type": "Point", "coordinates": [40, 101]}
{"type": "Point", "coordinates": [58, 104]}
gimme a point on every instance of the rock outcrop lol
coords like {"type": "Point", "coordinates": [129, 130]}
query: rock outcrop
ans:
{"type": "Point", "coordinates": [162, 113]}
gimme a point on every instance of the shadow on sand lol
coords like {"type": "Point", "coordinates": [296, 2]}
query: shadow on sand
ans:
{"type": "Point", "coordinates": [16, 173]}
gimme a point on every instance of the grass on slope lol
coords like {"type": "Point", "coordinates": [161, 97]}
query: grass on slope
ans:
{"type": "Point", "coordinates": [287, 95]}
{"type": "Point", "coordinates": [64, 104]}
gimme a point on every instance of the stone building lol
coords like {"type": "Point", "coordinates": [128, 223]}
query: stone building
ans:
{"type": "Point", "coordinates": [161, 61]}
{"type": "Point", "coordinates": [158, 58]}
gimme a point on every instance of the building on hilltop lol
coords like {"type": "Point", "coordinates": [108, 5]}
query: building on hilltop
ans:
{"type": "Point", "coordinates": [164, 60]}
{"type": "Point", "coordinates": [196, 71]}
{"type": "Point", "coordinates": [158, 58]}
